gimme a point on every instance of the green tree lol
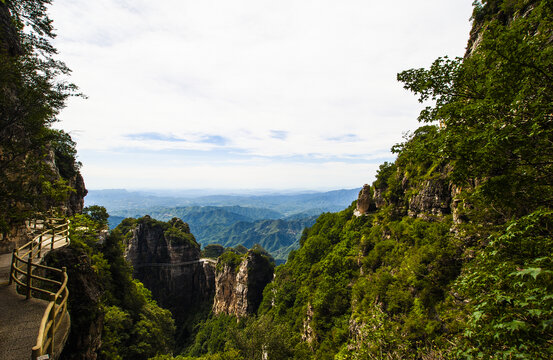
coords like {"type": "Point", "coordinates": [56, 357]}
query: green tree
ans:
{"type": "Point", "coordinates": [213, 251]}
{"type": "Point", "coordinates": [495, 106]}
{"type": "Point", "coordinates": [510, 287]}
{"type": "Point", "coordinates": [31, 96]}
{"type": "Point", "coordinates": [97, 213]}
{"type": "Point", "coordinates": [134, 327]}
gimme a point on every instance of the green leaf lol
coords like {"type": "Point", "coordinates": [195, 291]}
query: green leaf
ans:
{"type": "Point", "coordinates": [534, 272]}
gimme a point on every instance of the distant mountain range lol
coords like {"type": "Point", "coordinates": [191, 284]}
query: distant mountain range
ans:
{"type": "Point", "coordinates": [275, 221]}
{"type": "Point", "coordinates": [131, 203]}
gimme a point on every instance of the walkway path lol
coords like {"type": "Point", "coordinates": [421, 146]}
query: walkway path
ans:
{"type": "Point", "coordinates": [20, 318]}
{"type": "Point", "coordinates": [5, 263]}
{"type": "Point", "coordinates": [19, 323]}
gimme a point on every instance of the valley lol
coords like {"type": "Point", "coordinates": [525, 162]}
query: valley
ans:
{"type": "Point", "coordinates": [275, 221]}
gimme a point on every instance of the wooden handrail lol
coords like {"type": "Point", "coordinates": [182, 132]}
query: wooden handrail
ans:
{"type": "Point", "coordinates": [58, 295]}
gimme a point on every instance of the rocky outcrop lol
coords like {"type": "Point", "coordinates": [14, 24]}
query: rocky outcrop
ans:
{"type": "Point", "coordinates": [239, 284]}
{"type": "Point", "coordinates": [14, 237]}
{"type": "Point", "coordinates": [365, 201]}
{"type": "Point", "coordinates": [85, 289]}
{"type": "Point", "coordinates": [308, 334]}
{"type": "Point", "coordinates": [420, 198]}
{"type": "Point", "coordinates": [432, 198]}
{"type": "Point", "coordinates": [17, 233]}
{"type": "Point", "coordinates": [166, 259]}
{"type": "Point", "coordinates": [75, 201]}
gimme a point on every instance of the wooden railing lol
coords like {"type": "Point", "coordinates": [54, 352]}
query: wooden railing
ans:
{"type": "Point", "coordinates": [24, 273]}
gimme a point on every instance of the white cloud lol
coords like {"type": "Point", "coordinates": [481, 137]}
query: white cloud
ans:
{"type": "Point", "coordinates": [313, 70]}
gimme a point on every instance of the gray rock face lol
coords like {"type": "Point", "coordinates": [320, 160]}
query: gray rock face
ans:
{"type": "Point", "coordinates": [75, 203]}
{"type": "Point", "coordinates": [415, 198]}
{"type": "Point", "coordinates": [365, 201]}
{"type": "Point", "coordinates": [434, 198]}
{"type": "Point", "coordinates": [169, 265]}
{"type": "Point", "coordinates": [239, 291]}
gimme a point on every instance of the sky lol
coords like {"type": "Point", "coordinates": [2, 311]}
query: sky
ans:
{"type": "Point", "coordinates": [246, 94]}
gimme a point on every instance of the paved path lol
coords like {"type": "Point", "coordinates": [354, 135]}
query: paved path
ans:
{"type": "Point", "coordinates": [6, 259]}
{"type": "Point", "coordinates": [20, 318]}
{"type": "Point", "coordinates": [5, 263]}
{"type": "Point", "coordinates": [19, 323]}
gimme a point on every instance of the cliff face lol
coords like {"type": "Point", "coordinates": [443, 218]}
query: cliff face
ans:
{"type": "Point", "coordinates": [75, 201]}
{"type": "Point", "coordinates": [17, 233]}
{"type": "Point", "coordinates": [166, 259]}
{"type": "Point", "coordinates": [87, 320]}
{"type": "Point", "coordinates": [239, 288]}
{"type": "Point", "coordinates": [416, 198]}
{"type": "Point", "coordinates": [365, 201]}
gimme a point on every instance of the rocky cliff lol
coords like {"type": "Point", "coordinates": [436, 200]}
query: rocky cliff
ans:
{"type": "Point", "coordinates": [166, 259]}
{"type": "Point", "coordinates": [365, 201]}
{"type": "Point", "coordinates": [16, 233]}
{"type": "Point", "coordinates": [66, 169]}
{"type": "Point", "coordinates": [239, 282]}
{"type": "Point", "coordinates": [87, 320]}
{"type": "Point", "coordinates": [408, 195]}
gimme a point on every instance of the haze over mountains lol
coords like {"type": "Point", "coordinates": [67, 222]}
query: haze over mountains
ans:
{"type": "Point", "coordinates": [273, 220]}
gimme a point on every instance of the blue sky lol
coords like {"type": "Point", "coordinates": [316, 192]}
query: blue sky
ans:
{"type": "Point", "coordinates": [249, 94]}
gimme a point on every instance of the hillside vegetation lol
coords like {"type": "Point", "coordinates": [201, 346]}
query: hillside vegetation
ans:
{"type": "Point", "coordinates": [38, 166]}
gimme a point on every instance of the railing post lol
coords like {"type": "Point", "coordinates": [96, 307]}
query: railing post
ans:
{"type": "Point", "coordinates": [39, 246]}
{"type": "Point", "coordinates": [53, 237]}
{"type": "Point", "coordinates": [67, 235]}
{"type": "Point", "coordinates": [51, 331]}
{"type": "Point", "coordinates": [29, 275]}
{"type": "Point", "coordinates": [12, 270]}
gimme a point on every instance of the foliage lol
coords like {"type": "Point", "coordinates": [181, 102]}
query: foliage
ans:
{"type": "Point", "coordinates": [383, 173]}
{"type": "Point", "coordinates": [65, 153]}
{"type": "Point", "coordinates": [229, 354]}
{"type": "Point", "coordinates": [258, 249]}
{"type": "Point", "coordinates": [97, 213]}
{"type": "Point", "coordinates": [31, 96]}
{"type": "Point", "coordinates": [213, 251]}
{"type": "Point", "coordinates": [496, 107]}
{"type": "Point", "coordinates": [176, 236]}
{"type": "Point", "coordinates": [239, 249]}
{"type": "Point", "coordinates": [135, 327]}
{"type": "Point", "coordinates": [510, 287]}
{"type": "Point", "coordinates": [249, 338]}
{"type": "Point", "coordinates": [214, 334]}
{"type": "Point", "coordinates": [230, 259]}
{"type": "Point", "coordinates": [400, 279]}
